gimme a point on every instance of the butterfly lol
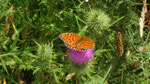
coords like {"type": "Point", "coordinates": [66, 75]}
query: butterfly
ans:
{"type": "Point", "coordinates": [77, 42]}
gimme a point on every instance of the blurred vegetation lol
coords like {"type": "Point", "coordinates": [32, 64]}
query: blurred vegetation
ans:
{"type": "Point", "coordinates": [32, 53]}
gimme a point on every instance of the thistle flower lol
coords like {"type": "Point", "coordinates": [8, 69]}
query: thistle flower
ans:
{"type": "Point", "coordinates": [80, 48]}
{"type": "Point", "coordinates": [80, 57]}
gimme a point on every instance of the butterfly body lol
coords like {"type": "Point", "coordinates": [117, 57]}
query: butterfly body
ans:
{"type": "Point", "coordinates": [77, 42]}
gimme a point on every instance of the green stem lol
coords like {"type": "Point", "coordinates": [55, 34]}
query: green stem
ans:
{"type": "Point", "coordinates": [55, 77]}
{"type": "Point", "coordinates": [4, 55]}
{"type": "Point", "coordinates": [51, 4]}
{"type": "Point", "coordinates": [111, 69]}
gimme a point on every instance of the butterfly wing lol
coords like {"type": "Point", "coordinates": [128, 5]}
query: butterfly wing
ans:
{"type": "Point", "coordinates": [75, 47]}
{"type": "Point", "coordinates": [87, 44]}
{"type": "Point", "coordinates": [69, 38]}
{"type": "Point", "coordinates": [77, 42]}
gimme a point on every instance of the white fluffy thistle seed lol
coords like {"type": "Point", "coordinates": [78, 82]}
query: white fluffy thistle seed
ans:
{"type": "Point", "coordinates": [86, 0]}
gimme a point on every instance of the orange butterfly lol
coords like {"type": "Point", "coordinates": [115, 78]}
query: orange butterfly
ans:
{"type": "Point", "coordinates": [77, 42]}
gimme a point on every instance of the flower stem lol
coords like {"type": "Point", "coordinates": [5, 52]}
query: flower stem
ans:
{"type": "Point", "coordinates": [111, 69]}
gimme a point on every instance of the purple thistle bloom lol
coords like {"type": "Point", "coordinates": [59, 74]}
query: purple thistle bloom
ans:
{"type": "Point", "coordinates": [80, 57]}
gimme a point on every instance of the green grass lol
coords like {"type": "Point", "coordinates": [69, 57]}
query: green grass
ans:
{"type": "Point", "coordinates": [31, 51]}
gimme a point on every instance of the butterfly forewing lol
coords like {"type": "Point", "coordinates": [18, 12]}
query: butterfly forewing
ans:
{"type": "Point", "coordinates": [87, 44]}
{"type": "Point", "coordinates": [69, 38]}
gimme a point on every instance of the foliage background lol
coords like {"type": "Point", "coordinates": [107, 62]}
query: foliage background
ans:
{"type": "Point", "coordinates": [32, 53]}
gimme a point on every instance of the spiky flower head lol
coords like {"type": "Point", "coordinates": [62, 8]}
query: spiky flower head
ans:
{"type": "Point", "coordinates": [98, 20]}
{"type": "Point", "coordinates": [80, 57]}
